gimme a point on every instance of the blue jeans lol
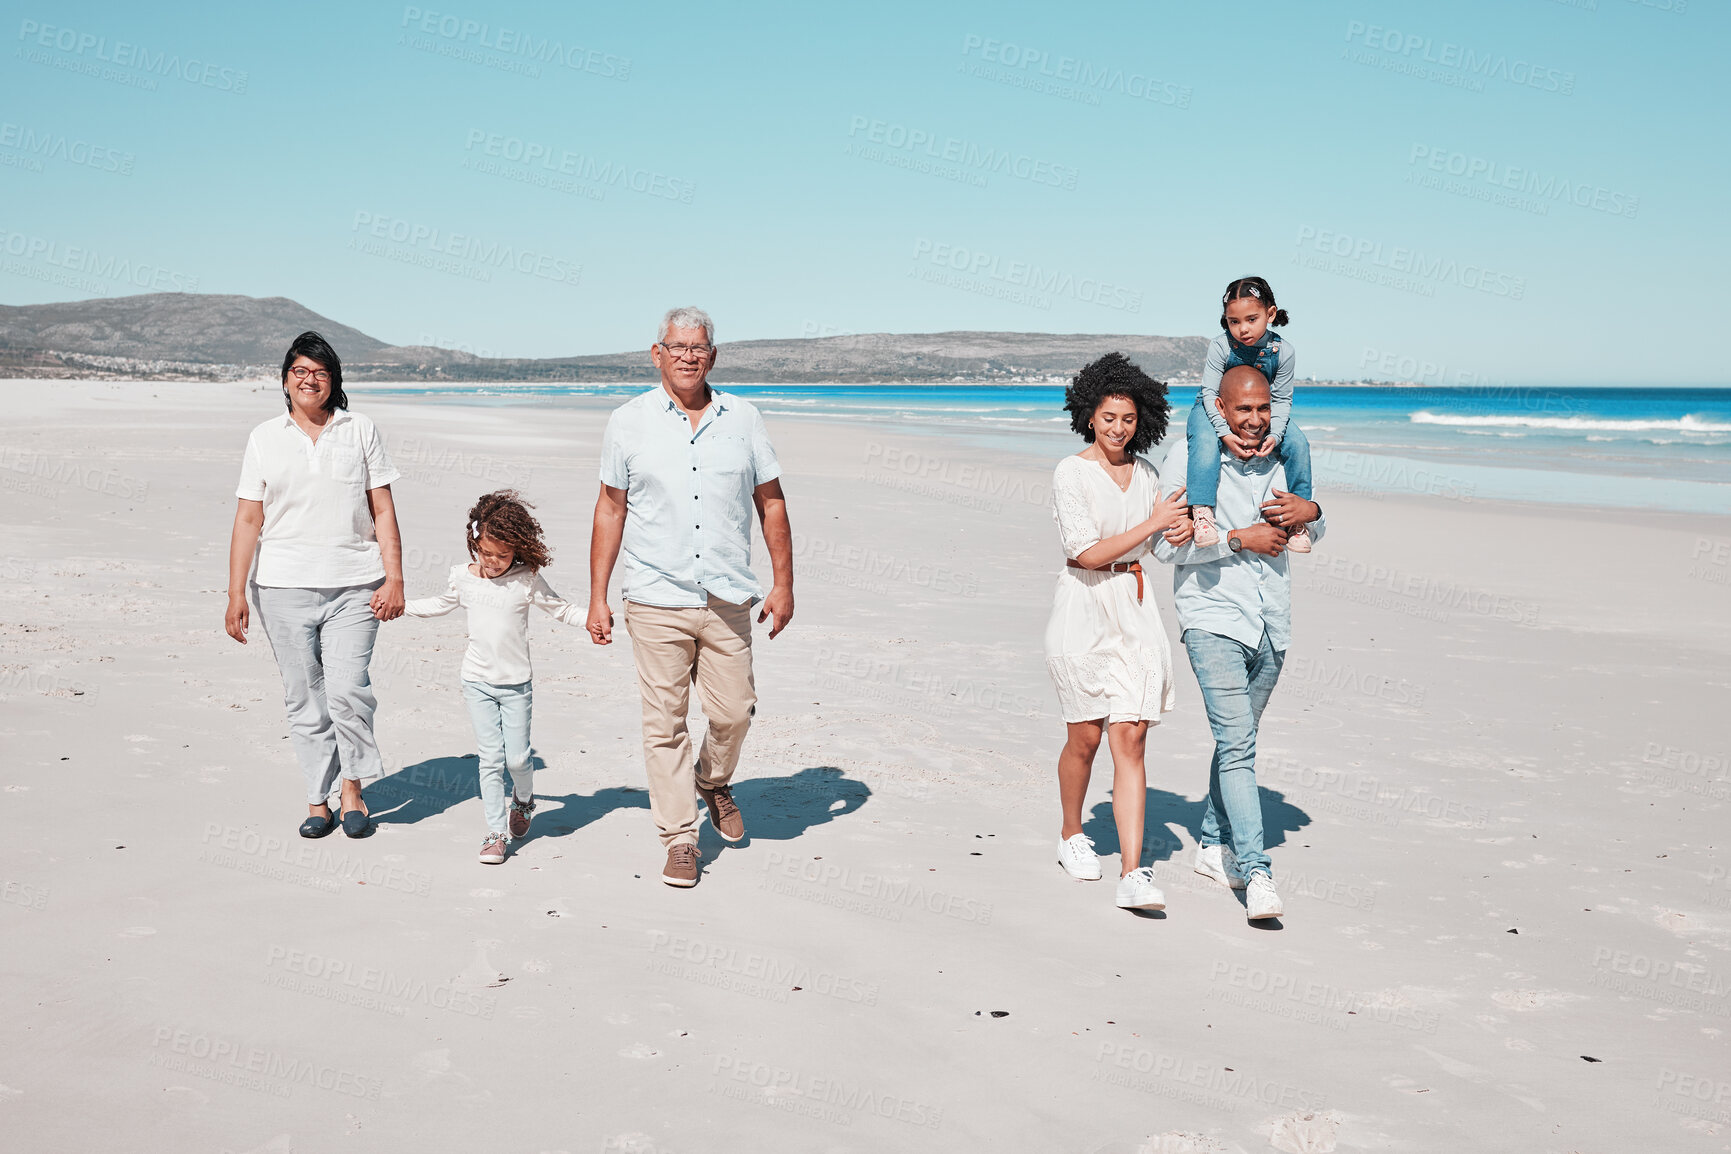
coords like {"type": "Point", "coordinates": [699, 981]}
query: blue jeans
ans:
{"type": "Point", "coordinates": [1236, 681]}
{"type": "Point", "coordinates": [501, 717]}
{"type": "Point", "coordinates": [1202, 449]}
{"type": "Point", "coordinates": [323, 641]}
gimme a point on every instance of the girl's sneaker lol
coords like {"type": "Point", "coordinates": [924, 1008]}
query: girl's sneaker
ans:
{"type": "Point", "coordinates": [1206, 534]}
{"type": "Point", "coordinates": [493, 849]}
{"type": "Point", "coordinates": [520, 814]}
{"type": "Point", "coordinates": [1298, 540]}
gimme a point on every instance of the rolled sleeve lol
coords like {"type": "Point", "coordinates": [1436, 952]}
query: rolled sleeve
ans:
{"type": "Point", "coordinates": [614, 471]}
{"type": "Point", "coordinates": [251, 487]}
{"type": "Point", "coordinates": [765, 466]}
{"type": "Point", "coordinates": [380, 471]}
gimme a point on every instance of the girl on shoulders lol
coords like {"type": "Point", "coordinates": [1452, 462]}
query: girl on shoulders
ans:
{"type": "Point", "coordinates": [1248, 310]}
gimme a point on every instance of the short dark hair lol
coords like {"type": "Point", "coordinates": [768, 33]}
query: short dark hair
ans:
{"type": "Point", "coordinates": [1115, 375]}
{"type": "Point", "coordinates": [315, 348]}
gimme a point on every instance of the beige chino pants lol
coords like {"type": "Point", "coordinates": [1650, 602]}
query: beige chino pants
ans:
{"type": "Point", "coordinates": [674, 647]}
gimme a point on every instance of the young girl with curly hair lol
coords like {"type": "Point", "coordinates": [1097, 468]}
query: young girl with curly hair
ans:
{"type": "Point", "coordinates": [497, 590]}
{"type": "Point", "coordinates": [1106, 648]}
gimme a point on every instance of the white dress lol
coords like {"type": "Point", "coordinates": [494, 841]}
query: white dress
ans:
{"type": "Point", "coordinates": [1107, 652]}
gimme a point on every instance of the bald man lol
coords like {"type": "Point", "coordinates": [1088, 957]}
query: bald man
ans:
{"type": "Point", "coordinates": [1234, 603]}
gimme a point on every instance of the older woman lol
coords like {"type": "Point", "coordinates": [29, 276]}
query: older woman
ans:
{"type": "Point", "coordinates": [1106, 648]}
{"type": "Point", "coordinates": [315, 507]}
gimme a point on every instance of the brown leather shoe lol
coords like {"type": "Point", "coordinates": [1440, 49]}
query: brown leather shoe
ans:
{"type": "Point", "coordinates": [681, 867]}
{"type": "Point", "coordinates": [724, 815]}
{"type": "Point", "coordinates": [520, 813]}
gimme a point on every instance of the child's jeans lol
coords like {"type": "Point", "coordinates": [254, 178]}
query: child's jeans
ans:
{"type": "Point", "coordinates": [1202, 480]}
{"type": "Point", "coordinates": [501, 717]}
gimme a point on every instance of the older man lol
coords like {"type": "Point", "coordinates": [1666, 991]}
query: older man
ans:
{"type": "Point", "coordinates": [1234, 603]}
{"type": "Point", "coordinates": [681, 467]}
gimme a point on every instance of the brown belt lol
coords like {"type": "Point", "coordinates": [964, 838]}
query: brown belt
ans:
{"type": "Point", "coordinates": [1121, 567]}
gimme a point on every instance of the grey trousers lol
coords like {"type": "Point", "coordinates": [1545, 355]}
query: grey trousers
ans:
{"type": "Point", "coordinates": [323, 641]}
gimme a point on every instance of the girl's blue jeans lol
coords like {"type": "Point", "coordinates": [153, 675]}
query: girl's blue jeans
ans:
{"type": "Point", "coordinates": [1202, 479]}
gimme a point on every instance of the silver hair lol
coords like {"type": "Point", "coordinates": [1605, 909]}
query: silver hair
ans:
{"type": "Point", "coordinates": [688, 317]}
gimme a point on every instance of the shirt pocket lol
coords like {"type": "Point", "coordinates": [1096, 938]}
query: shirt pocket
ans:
{"type": "Point", "coordinates": [730, 457]}
{"type": "Point", "coordinates": [346, 464]}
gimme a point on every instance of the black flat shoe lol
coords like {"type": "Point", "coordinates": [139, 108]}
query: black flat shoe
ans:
{"type": "Point", "coordinates": [356, 823]}
{"type": "Point", "coordinates": [315, 826]}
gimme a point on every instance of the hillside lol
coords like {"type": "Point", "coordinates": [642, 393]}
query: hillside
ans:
{"type": "Point", "coordinates": [169, 336]}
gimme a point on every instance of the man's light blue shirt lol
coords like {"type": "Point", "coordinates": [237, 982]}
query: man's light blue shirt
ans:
{"type": "Point", "coordinates": [688, 497]}
{"type": "Point", "coordinates": [1236, 595]}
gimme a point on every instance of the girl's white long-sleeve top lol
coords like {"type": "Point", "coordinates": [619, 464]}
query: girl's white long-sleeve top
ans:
{"type": "Point", "coordinates": [498, 610]}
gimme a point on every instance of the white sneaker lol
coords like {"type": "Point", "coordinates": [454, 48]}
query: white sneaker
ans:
{"type": "Point", "coordinates": [1206, 534]}
{"type": "Point", "coordinates": [1298, 541]}
{"type": "Point", "coordinates": [1137, 891]}
{"type": "Point", "coordinates": [1076, 854]}
{"type": "Point", "coordinates": [1219, 863]}
{"type": "Point", "coordinates": [1261, 900]}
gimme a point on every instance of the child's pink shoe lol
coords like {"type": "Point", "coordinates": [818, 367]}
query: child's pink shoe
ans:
{"type": "Point", "coordinates": [1206, 534]}
{"type": "Point", "coordinates": [1298, 540]}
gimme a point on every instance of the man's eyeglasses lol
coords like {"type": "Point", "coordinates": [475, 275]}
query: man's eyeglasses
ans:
{"type": "Point", "coordinates": [319, 376]}
{"type": "Point", "coordinates": [680, 352]}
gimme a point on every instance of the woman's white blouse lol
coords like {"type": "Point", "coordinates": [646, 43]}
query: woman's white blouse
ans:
{"type": "Point", "coordinates": [318, 528]}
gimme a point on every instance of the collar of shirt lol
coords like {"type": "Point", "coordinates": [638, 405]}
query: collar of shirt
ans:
{"type": "Point", "coordinates": [337, 417]}
{"type": "Point", "coordinates": [717, 406]}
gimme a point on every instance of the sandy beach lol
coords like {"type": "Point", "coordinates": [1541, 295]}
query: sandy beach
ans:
{"type": "Point", "coordinates": [1494, 772]}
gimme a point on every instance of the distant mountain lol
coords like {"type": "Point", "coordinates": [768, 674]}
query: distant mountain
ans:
{"type": "Point", "coordinates": [203, 336]}
{"type": "Point", "coordinates": [198, 328]}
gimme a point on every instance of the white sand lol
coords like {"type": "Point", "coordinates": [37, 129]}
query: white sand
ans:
{"type": "Point", "coordinates": [1548, 756]}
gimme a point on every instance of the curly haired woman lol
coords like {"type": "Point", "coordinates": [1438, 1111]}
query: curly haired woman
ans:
{"type": "Point", "coordinates": [1106, 647]}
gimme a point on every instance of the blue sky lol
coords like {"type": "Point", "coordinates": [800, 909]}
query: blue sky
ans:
{"type": "Point", "coordinates": [1522, 191]}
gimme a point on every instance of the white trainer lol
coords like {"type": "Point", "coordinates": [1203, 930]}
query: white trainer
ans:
{"type": "Point", "coordinates": [1076, 854]}
{"type": "Point", "coordinates": [1219, 863]}
{"type": "Point", "coordinates": [1261, 899]}
{"type": "Point", "coordinates": [1298, 540]}
{"type": "Point", "coordinates": [1137, 891]}
{"type": "Point", "coordinates": [1202, 516]}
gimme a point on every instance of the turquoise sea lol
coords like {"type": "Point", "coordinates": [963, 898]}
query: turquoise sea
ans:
{"type": "Point", "coordinates": [1653, 448]}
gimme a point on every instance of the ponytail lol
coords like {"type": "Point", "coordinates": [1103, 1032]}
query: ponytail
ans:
{"type": "Point", "coordinates": [1256, 289]}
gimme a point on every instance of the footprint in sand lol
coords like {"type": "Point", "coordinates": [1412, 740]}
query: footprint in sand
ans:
{"type": "Point", "coordinates": [1309, 1133]}
{"type": "Point", "coordinates": [1523, 1000]}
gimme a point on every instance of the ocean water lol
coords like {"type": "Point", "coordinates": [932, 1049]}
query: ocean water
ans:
{"type": "Point", "coordinates": [1653, 448]}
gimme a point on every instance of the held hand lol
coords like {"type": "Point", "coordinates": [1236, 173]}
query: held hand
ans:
{"type": "Point", "coordinates": [235, 621]}
{"type": "Point", "coordinates": [1289, 511]}
{"type": "Point", "coordinates": [600, 622]}
{"type": "Point", "coordinates": [778, 604]}
{"type": "Point", "coordinates": [387, 601]}
{"type": "Point", "coordinates": [1179, 535]}
{"type": "Point", "coordinates": [1237, 447]}
{"type": "Point", "coordinates": [1264, 539]}
{"type": "Point", "coordinates": [1168, 511]}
